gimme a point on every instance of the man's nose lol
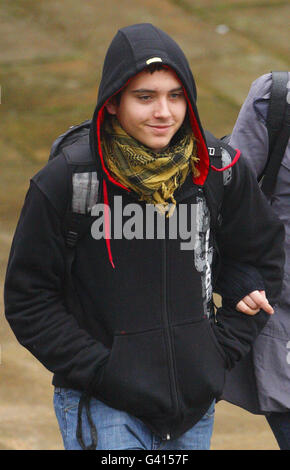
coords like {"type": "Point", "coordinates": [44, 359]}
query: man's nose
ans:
{"type": "Point", "coordinates": [162, 109]}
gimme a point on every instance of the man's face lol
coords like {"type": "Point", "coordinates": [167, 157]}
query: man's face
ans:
{"type": "Point", "coordinates": [152, 108]}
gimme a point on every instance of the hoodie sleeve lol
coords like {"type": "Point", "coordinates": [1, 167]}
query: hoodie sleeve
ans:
{"type": "Point", "coordinates": [250, 233]}
{"type": "Point", "coordinates": [236, 280]}
{"type": "Point", "coordinates": [34, 300]}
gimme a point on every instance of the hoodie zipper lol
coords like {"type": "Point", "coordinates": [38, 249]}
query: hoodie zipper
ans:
{"type": "Point", "coordinates": [168, 335]}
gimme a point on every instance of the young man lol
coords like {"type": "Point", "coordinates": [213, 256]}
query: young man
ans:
{"type": "Point", "coordinates": [141, 363]}
{"type": "Point", "coordinates": [269, 364]}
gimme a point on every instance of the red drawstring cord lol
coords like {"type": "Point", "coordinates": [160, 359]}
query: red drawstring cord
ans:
{"type": "Point", "coordinates": [107, 223]}
{"type": "Point", "coordinates": [237, 156]}
{"type": "Point", "coordinates": [107, 214]}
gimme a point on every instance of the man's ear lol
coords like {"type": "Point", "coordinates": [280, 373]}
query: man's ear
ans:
{"type": "Point", "coordinates": [111, 106]}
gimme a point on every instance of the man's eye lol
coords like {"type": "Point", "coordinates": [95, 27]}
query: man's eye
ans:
{"type": "Point", "coordinates": [144, 97]}
{"type": "Point", "coordinates": [176, 95]}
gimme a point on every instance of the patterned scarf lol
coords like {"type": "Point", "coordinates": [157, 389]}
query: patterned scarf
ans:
{"type": "Point", "coordinates": [154, 176]}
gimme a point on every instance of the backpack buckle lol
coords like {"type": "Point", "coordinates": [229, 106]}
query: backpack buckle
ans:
{"type": "Point", "coordinates": [71, 238]}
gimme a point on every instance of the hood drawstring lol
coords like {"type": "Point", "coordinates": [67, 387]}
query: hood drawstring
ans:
{"type": "Point", "coordinates": [85, 401]}
{"type": "Point", "coordinates": [237, 156]}
{"type": "Point", "coordinates": [107, 223]}
{"type": "Point", "coordinates": [107, 214]}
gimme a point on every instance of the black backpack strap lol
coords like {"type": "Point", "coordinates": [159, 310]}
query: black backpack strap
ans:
{"type": "Point", "coordinates": [215, 182]}
{"type": "Point", "coordinates": [214, 187]}
{"type": "Point", "coordinates": [278, 125]}
{"type": "Point", "coordinates": [221, 155]}
{"type": "Point", "coordinates": [79, 153]}
{"type": "Point", "coordinates": [75, 226]}
{"type": "Point", "coordinates": [68, 137]}
{"type": "Point", "coordinates": [226, 138]}
{"type": "Point", "coordinates": [277, 107]}
{"type": "Point", "coordinates": [84, 193]}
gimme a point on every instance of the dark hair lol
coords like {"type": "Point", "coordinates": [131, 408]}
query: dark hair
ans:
{"type": "Point", "coordinates": [155, 67]}
{"type": "Point", "coordinates": [151, 68]}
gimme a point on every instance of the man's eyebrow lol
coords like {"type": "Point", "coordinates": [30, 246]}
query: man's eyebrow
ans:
{"type": "Point", "coordinates": [146, 90]}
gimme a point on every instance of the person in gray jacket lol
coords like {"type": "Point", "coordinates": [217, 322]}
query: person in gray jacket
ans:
{"type": "Point", "coordinates": [261, 383]}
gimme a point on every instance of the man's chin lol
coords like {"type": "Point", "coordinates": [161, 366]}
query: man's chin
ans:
{"type": "Point", "coordinates": [157, 146]}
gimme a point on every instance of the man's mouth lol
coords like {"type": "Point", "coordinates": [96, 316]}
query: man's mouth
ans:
{"type": "Point", "coordinates": [160, 128]}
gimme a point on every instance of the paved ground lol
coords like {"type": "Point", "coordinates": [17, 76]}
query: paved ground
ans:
{"type": "Point", "coordinates": [51, 56]}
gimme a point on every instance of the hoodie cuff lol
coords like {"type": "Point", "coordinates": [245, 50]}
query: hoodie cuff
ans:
{"type": "Point", "coordinates": [235, 281]}
{"type": "Point", "coordinates": [98, 376]}
{"type": "Point", "coordinates": [236, 332]}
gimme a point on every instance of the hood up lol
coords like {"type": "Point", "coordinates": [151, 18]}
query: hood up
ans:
{"type": "Point", "coordinates": [131, 50]}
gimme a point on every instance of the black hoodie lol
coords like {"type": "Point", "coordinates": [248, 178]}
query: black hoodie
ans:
{"type": "Point", "coordinates": [145, 341]}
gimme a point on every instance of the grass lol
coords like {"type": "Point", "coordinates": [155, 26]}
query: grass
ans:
{"type": "Point", "coordinates": [49, 77]}
{"type": "Point", "coordinates": [204, 7]}
{"type": "Point", "coordinates": [251, 20]}
{"type": "Point", "coordinates": [51, 58]}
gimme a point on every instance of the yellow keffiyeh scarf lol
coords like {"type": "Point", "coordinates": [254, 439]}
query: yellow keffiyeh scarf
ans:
{"type": "Point", "coordinates": [154, 176]}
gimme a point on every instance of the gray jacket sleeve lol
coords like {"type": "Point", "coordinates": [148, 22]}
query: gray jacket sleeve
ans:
{"type": "Point", "coordinates": [250, 133]}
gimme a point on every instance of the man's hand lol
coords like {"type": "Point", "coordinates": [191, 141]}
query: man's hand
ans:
{"type": "Point", "coordinates": [252, 303]}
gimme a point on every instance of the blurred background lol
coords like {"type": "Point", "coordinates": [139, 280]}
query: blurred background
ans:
{"type": "Point", "coordinates": [51, 58]}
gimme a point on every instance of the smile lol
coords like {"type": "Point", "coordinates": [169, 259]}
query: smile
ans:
{"type": "Point", "coordinates": [160, 129]}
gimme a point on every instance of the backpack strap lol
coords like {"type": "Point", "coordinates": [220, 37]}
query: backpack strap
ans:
{"type": "Point", "coordinates": [220, 155]}
{"type": "Point", "coordinates": [84, 193]}
{"type": "Point", "coordinates": [84, 190]}
{"type": "Point", "coordinates": [278, 125]}
{"type": "Point", "coordinates": [277, 106]}
{"type": "Point", "coordinates": [75, 226]}
{"type": "Point", "coordinates": [79, 153]}
{"type": "Point", "coordinates": [68, 137]}
{"type": "Point", "coordinates": [226, 138]}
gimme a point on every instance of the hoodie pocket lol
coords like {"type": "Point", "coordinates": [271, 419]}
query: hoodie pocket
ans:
{"type": "Point", "coordinates": [200, 363]}
{"type": "Point", "coordinates": [135, 378]}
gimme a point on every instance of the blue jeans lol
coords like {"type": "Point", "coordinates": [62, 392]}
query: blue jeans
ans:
{"type": "Point", "coordinates": [280, 425]}
{"type": "Point", "coordinates": [117, 430]}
